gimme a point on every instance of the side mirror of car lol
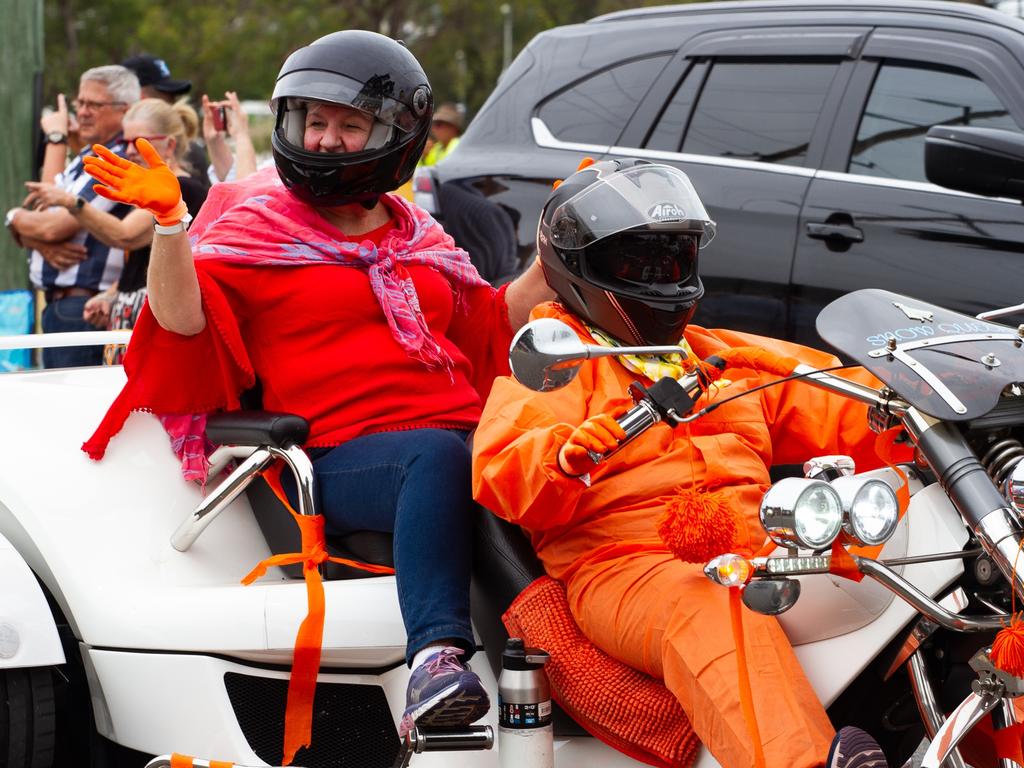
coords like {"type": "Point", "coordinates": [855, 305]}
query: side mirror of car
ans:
{"type": "Point", "coordinates": [983, 161]}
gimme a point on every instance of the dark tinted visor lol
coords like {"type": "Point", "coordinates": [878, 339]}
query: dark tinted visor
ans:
{"type": "Point", "coordinates": [643, 259]}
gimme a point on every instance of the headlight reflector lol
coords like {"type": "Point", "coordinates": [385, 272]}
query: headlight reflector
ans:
{"type": "Point", "coordinates": [798, 512]}
{"type": "Point", "coordinates": [870, 508]}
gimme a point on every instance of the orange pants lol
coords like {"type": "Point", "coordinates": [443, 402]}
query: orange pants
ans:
{"type": "Point", "coordinates": [666, 618]}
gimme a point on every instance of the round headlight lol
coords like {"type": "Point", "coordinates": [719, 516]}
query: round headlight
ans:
{"type": "Point", "coordinates": [797, 512]}
{"type": "Point", "coordinates": [870, 508]}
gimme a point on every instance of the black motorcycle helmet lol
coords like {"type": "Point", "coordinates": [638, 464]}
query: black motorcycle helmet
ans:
{"type": "Point", "coordinates": [618, 241]}
{"type": "Point", "coordinates": [369, 72]}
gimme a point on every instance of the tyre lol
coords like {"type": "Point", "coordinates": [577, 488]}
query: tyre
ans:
{"type": "Point", "coordinates": [28, 732]}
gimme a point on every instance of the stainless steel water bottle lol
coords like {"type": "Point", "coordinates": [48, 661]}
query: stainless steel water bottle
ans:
{"type": "Point", "coordinates": [525, 738]}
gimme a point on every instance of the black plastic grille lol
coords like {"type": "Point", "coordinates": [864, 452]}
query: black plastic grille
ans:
{"type": "Point", "coordinates": [352, 726]}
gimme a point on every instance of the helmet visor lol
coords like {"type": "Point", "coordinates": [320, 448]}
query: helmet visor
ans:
{"type": "Point", "coordinates": [654, 196]}
{"type": "Point", "coordinates": [643, 259]}
{"type": "Point", "coordinates": [375, 96]}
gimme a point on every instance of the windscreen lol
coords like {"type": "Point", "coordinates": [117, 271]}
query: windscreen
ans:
{"type": "Point", "coordinates": [948, 365]}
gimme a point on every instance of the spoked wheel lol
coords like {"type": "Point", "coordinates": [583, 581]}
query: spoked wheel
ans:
{"type": "Point", "coordinates": [28, 718]}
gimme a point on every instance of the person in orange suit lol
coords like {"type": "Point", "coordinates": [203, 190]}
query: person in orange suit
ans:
{"type": "Point", "coordinates": [618, 241]}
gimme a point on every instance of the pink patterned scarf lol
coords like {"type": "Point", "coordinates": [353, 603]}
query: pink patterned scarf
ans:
{"type": "Point", "coordinates": [274, 228]}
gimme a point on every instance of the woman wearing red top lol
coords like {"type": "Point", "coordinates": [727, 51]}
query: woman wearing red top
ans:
{"type": "Point", "coordinates": [353, 309]}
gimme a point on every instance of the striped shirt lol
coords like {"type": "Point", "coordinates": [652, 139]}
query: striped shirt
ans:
{"type": "Point", "coordinates": [102, 264]}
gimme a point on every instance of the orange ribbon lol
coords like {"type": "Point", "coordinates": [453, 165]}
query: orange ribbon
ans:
{"type": "Point", "coordinates": [743, 676]}
{"type": "Point", "coordinates": [298, 717]}
{"type": "Point", "coordinates": [187, 761]}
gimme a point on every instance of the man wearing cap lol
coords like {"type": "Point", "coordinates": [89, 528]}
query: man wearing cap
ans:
{"type": "Point", "coordinates": [155, 78]}
{"type": "Point", "coordinates": [156, 82]}
{"type": "Point", "coordinates": [68, 264]}
{"type": "Point", "coordinates": [444, 130]}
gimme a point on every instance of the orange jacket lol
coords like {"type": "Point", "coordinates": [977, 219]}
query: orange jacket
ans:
{"type": "Point", "coordinates": [515, 471]}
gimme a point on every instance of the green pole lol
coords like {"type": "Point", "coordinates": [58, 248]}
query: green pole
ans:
{"type": "Point", "coordinates": [21, 61]}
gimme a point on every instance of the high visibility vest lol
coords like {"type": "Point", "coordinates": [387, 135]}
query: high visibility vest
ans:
{"type": "Point", "coordinates": [439, 152]}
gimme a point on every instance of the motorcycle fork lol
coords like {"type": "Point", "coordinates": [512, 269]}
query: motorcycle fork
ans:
{"type": "Point", "coordinates": [993, 692]}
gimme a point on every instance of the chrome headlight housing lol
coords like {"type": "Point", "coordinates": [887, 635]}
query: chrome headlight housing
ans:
{"type": "Point", "coordinates": [799, 512]}
{"type": "Point", "coordinates": [870, 508]}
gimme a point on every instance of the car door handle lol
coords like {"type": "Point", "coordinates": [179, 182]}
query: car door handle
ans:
{"type": "Point", "coordinates": [846, 233]}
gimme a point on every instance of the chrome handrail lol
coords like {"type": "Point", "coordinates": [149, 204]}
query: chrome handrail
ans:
{"type": "Point", "coordinates": [222, 496]}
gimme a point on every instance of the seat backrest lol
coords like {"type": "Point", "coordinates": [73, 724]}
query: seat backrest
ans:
{"type": "Point", "coordinates": [504, 564]}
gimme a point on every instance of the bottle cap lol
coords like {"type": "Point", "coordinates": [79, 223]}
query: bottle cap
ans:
{"type": "Point", "coordinates": [517, 656]}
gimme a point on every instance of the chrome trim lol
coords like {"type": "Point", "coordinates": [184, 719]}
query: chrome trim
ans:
{"type": "Point", "coordinates": [300, 464]}
{"type": "Point", "coordinates": [260, 458]}
{"type": "Point", "coordinates": [924, 604]}
{"type": "Point", "coordinates": [210, 507]}
{"type": "Point", "coordinates": [851, 389]}
{"type": "Point", "coordinates": [928, 705]}
{"type": "Point", "coordinates": [930, 378]}
{"type": "Point", "coordinates": [939, 341]}
{"type": "Point", "coordinates": [959, 723]}
{"type": "Point", "coordinates": [1000, 533]}
{"type": "Point", "coordinates": [917, 423]}
{"type": "Point", "coordinates": [1000, 312]}
{"type": "Point", "coordinates": [224, 455]}
{"type": "Point", "coordinates": [543, 137]}
{"type": "Point", "coordinates": [916, 186]}
{"type": "Point", "coordinates": [1004, 716]}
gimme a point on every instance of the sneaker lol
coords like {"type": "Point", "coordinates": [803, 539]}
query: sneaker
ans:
{"type": "Point", "coordinates": [853, 748]}
{"type": "Point", "coordinates": [443, 693]}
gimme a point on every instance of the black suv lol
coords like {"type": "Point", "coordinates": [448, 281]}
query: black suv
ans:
{"type": "Point", "coordinates": [802, 126]}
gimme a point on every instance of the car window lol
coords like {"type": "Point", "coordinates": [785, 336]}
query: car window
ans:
{"type": "Point", "coordinates": [595, 110]}
{"type": "Point", "coordinates": [667, 134]}
{"type": "Point", "coordinates": [758, 110]}
{"type": "Point", "coordinates": [906, 100]}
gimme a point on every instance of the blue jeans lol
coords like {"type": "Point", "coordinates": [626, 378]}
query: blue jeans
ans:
{"type": "Point", "coordinates": [66, 315]}
{"type": "Point", "coordinates": [416, 484]}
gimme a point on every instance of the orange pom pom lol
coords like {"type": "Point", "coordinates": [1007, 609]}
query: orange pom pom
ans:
{"type": "Point", "coordinates": [1008, 648]}
{"type": "Point", "coordinates": [697, 525]}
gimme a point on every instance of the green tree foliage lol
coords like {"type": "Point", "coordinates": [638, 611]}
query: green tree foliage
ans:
{"type": "Point", "coordinates": [240, 44]}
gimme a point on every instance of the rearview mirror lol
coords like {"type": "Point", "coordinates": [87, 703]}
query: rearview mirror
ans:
{"type": "Point", "coordinates": [546, 354]}
{"type": "Point", "coordinates": [983, 161]}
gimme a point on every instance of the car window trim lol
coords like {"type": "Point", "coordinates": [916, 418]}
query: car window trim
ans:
{"type": "Point", "coordinates": [668, 55]}
{"type": "Point", "coordinates": [916, 186]}
{"type": "Point", "coordinates": [543, 138]}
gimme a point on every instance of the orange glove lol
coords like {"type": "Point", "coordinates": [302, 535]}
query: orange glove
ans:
{"type": "Point", "coordinates": [599, 434]}
{"type": "Point", "coordinates": [154, 189]}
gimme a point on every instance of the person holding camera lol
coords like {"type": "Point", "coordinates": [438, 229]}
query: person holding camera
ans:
{"type": "Point", "coordinates": [223, 119]}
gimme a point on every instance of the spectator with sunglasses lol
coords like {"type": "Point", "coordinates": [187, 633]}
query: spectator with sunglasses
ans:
{"type": "Point", "coordinates": [68, 263]}
{"type": "Point", "coordinates": [169, 127]}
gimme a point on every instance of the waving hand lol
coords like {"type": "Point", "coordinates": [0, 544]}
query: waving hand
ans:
{"type": "Point", "coordinates": [154, 189]}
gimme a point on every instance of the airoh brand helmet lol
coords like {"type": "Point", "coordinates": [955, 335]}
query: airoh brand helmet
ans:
{"type": "Point", "coordinates": [618, 241]}
{"type": "Point", "coordinates": [371, 73]}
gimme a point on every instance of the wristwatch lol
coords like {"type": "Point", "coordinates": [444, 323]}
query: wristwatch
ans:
{"type": "Point", "coordinates": [79, 204]}
{"type": "Point", "coordinates": [173, 229]}
{"type": "Point", "coordinates": [9, 218]}
{"type": "Point", "coordinates": [56, 137]}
